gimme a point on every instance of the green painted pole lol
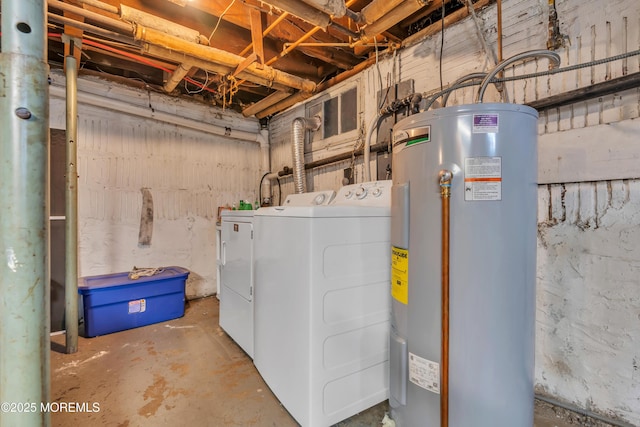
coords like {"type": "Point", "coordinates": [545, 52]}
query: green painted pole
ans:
{"type": "Point", "coordinates": [24, 214]}
{"type": "Point", "coordinates": [71, 207]}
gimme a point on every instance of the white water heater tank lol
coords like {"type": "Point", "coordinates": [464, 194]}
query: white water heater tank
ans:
{"type": "Point", "coordinates": [491, 149]}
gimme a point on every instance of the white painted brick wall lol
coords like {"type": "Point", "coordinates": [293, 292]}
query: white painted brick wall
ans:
{"type": "Point", "coordinates": [189, 173]}
{"type": "Point", "coordinates": [588, 296]}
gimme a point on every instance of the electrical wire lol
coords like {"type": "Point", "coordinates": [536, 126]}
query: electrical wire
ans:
{"type": "Point", "coordinates": [204, 85]}
{"type": "Point", "coordinates": [220, 19]}
{"type": "Point", "coordinates": [534, 75]}
{"type": "Point", "coordinates": [135, 57]}
{"type": "Point", "coordinates": [260, 187]}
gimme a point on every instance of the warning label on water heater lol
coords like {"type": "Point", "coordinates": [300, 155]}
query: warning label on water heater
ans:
{"type": "Point", "coordinates": [482, 178]}
{"type": "Point", "coordinates": [400, 274]}
{"type": "Point", "coordinates": [424, 373]}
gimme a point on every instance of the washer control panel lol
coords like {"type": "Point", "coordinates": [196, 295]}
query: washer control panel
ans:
{"type": "Point", "coordinates": [372, 193]}
{"type": "Point", "coordinates": [316, 198]}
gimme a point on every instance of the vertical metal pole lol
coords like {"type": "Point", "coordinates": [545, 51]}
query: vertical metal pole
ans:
{"type": "Point", "coordinates": [24, 213]}
{"type": "Point", "coordinates": [71, 206]}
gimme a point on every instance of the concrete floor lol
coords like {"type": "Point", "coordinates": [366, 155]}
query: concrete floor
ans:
{"type": "Point", "coordinates": [183, 372]}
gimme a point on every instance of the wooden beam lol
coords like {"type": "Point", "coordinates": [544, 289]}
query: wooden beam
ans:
{"type": "Point", "coordinates": [265, 103]}
{"type": "Point", "coordinates": [75, 33]}
{"type": "Point", "coordinates": [244, 64]}
{"type": "Point", "coordinates": [256, 36]}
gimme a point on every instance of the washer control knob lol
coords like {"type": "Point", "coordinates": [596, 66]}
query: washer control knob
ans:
{"type": "Point", "coordinates": [319, 199]}
{"type": "Point", "coordinates": [361, 193]}
{"type": "Point", "coordinates": [377, 192]}
{"type": "Point", "coordinates": [348, 194]}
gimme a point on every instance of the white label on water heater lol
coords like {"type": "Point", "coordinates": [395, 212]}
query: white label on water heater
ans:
{"type": "Point", "coordinates": [424, 373]}
{"type": "Point", "coordinates": [482, 178]}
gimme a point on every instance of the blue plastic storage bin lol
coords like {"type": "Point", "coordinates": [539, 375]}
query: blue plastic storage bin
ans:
{"type": "Point", "coordinates": [113, 302]}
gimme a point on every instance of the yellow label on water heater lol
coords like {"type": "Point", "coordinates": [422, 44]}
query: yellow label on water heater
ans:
{"type": "Point", "coordinates": [400, 274]}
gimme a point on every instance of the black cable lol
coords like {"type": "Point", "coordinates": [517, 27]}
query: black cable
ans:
{"type": "Point", "coordinates": [279, 192]}
{"type": "Point", "coordinates": [260, 188]}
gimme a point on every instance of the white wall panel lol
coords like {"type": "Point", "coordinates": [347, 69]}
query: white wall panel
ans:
{"type": "Point", "coordinates": [188, 172]}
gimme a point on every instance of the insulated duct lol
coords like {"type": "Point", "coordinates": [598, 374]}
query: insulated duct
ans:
{"type": "Point", "coordinates": [299, 126]}
{"type": "Point", "coordinates": [335, 8]}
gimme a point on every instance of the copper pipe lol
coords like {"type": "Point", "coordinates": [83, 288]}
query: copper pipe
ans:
{"type": "Point", "coordinates": [266, 31]}
{"type": "Point", "coordinates": [220, 57]}
{"type": "Point", "coordinates": [445, 178]}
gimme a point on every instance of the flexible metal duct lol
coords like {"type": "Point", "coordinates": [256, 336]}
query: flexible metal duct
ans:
{"type": "Point", "coordinates": [299, 126]}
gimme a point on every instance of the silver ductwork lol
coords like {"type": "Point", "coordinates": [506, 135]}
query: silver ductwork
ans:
{"type": "Point", "coordinates": [299, 127]}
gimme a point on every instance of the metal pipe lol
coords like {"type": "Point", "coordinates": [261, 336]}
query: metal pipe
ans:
{"type": "Point", "coordinates": [335, 8]}
{"type": "Point", "coordinates": [581, 411]}
{"type": "Point", "coordinates": [596, 90]}
{"type": "Point", "coordinates": [220, 57]}
{"type": "Point", "coordinates": [24, 212]}
{"type": "Point", "coordinates": [299, 126]}
{"type": "Point", "coordinates": [100, 5]}
{"type": "Point", "coordinates": [301, 96]}
{"type": "Point", "coordinates": [377, 9]}
{"type": "Point", "coordinates": [367, 145]}
{"type": "Point", "coordinates": [209, 65]}
{"type": "Point", "coordinates": [303, 11]}
{"type": "Point", "coordinates": [499, 17]}
{"type": "Point", "coordinates": [377, 148]}
{"type": "Point", "coordinates": [266, 31]}
{"type": "Point", "coordinates": [553, 57]}
{"type": "Point", "coordinates": [472, 76]}
{"type": "Point", "coordinates": [396, 15]}
{"type": "Point", "coordinates": [89, 28]}
{"type": "Point", "coordinates": [292, 46]}
{"type": "Point", "coordinates": [455, 85]}
{"type": "Point", "coordinates": [138, 17]}
{"type": "Point", "coordinates": [140, 111]}
{"type": "Point", "coordinates": [176, 77]}
{"type": "Point", "coordinates": [100, 19]}
{"type": "Point", "coordinates": [71, 207]}
{"type": "Point", "coordinates": [445, 177]}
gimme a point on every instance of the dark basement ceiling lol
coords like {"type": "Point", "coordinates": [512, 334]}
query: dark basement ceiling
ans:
{"type": "Point", "coordinates": [256, 57]}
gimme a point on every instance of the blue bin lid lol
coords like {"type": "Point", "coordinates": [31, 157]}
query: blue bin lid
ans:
{"type": "Point", "coordinates": [88, 283]}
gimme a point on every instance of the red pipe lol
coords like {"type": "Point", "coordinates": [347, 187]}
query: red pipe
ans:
{"type": "Point", "coordinates": [135, 57]}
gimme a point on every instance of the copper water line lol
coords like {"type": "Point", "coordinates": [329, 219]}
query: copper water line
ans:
{"type": "Point", "coordinates": [445, 178]}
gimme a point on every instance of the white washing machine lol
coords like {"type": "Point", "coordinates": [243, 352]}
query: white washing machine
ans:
{"type": "Point", "coordinates": [237, 272]}
{"type": "Point", "coordinates": [323, 303]}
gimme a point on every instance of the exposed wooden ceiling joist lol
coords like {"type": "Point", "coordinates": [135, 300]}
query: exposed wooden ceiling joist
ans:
{"type": "Point", "coordinates": [234, 38]}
